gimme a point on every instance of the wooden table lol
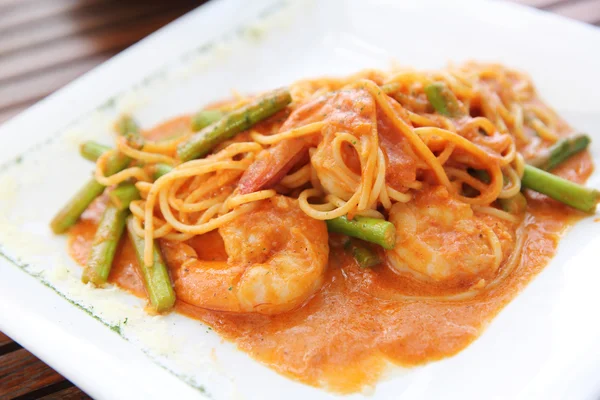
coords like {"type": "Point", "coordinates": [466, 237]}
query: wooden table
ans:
{"type": "Point", "coordinates": [44, 44]}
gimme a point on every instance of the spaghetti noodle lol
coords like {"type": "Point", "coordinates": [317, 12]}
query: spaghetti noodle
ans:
{"type": "Point", "coordinates": [395, 195]}
{"type": "Point", "coordinates": [200, 196]}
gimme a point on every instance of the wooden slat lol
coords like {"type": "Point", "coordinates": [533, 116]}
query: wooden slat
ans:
{"type": "Point", "coordinates": [71, 393]}
{"type": "Point", "coordinates": [40, 85]}
{"type": "Point", "coordinates": [30, 12]}
{"type": "Point", "coordinates": [586, 11]}
{"type": "Point", "coordinates": [71, 49]}
{"type": "Point", "coordinates": [64, 25]}
{"type": "Point", "coordinates": [6, 5]}
{"type": "Point", "coordinates": [21, 372]}
{"type": "Point", "coordinates": [4, 339]}
{"type": "Point", "coordinates": [7, 345]}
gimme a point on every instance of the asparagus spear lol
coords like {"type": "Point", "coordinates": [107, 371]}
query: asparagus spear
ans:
{"type": "Point", "coordinates": [124, 194]}
{"type": "Point", "coordinates": [372, 230]}
{"type": "Point", "coordinates": [91, 150]}
{"type": "Point", "coordinates": [563, 190]}
{"type": "Point", "coordinates": [535, 178]}
{"type": "Point", "coordinates": [104, 246]}
{"type": "Point", "coordinates": [156, 278]}
{"type": "Point", "coordinates": [233, 123]}
{"type": "Point", "coordinates": [365, 257]}
{"type": "Point", "coordinates": [547, 160]}
{"type": "Point", "coordinates": [204, 118]}
{"type": "Point", "coordinates": [567, 192]}
{"type": "Point", "coordinates": [369, 229]}
{"type": "Point", "coordinates": [127, 127]}
{"type": "Point", "coordinates": [69, 214]}
{"type": "Point", "coordinates": [560, 151]}
{"type": "Point", "coordinates": [161, 169]}
{"type": "Point", "coordinates": [560, 189]}
{"type": "Point", "coordinates": [443, 100]}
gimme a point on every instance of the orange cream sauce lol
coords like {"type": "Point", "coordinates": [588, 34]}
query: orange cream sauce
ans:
{"type": "Point", "coordinates": [343, 338]}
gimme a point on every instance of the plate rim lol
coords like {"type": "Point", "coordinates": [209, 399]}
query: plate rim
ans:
{"type": "Point", "coordinates": [43, 348]}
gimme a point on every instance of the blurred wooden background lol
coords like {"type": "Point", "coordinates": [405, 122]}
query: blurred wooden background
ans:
{"type": "Point", "coordinates": [45, 44]}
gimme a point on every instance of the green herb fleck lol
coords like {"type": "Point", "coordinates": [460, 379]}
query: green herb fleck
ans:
{"type": "Point", "coordinates": [116, 328]}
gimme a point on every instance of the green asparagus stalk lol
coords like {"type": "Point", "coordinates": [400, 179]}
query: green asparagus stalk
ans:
{"type": "Point", "coordinates": [71, 212]}
{"type": "Point", "coordinates": [161, 169]}
{"type": "Point", "coordinates": [372, 230]}
{"type": "Point", "coordinates": [443, 100]}
{"type": "Point", "coordinates": [560, 151]}
{"type": "Point", "coordinates": [104, 246]}
{"type": "Point", "coordinates": [127, 127]}
{"type": "Point", "coordinates": [563, 190]}
{"type": "Point", "coordinates": [204, 118]}
{"type": "Point", "coordinates": [364, 256]}
{"type": "Point", "coordinates": [535, 177]}
{"type": "Point", "coordinates": [123, 195]}
{"type": "Point", "coordinates": [156, 277]}
{"type": "Point", "coordinates": [92, 151]}
{"type": "Point", "coordinates": [233, 123]}
{"type": "Point", "coordinates": [82, 199]}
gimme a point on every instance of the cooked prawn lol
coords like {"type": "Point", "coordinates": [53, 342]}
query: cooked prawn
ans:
{"type": "Point", "coordinates": [272, 164]}
{"type": "Point", "coordinates": [277, 257]}
{"type": "Point", "coordinates": [344, 111]}
{"type": "Point", "coordinates": [441, 239]}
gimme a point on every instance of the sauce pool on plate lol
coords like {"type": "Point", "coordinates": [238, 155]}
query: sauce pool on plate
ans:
{"type": "Point", "coordinates": [345, 335]}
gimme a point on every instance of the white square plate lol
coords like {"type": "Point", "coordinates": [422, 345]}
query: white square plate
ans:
{"type": "Point", "coordinates": [542, 345]}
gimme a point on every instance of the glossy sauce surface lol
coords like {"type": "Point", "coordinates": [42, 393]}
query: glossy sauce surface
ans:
{"type": "Point", "coordinates": [343, 337]}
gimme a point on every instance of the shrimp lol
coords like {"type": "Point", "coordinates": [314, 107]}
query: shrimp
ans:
{"type": "Point", "coordinates": [276, 260]}
{"type": "Point", "coordinates": [346, 110]}
{"type": "Point", "coordinates": [272, 164]}
{"type": "Point", "coordinates": [440, 239]}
